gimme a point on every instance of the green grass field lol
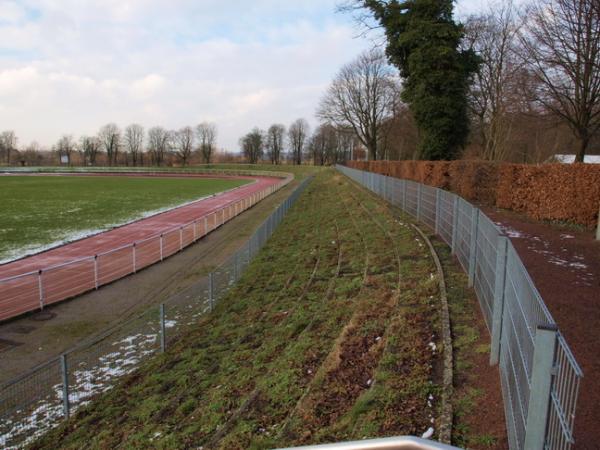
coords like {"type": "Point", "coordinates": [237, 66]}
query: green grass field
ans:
{"type": "Point", "coordinates": [38, 211]}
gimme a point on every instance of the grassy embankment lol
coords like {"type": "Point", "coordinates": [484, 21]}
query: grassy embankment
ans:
{"type": "Point", "coordinates": [327, 337]}
{"type": "Point", "coordinates": [40, 210]}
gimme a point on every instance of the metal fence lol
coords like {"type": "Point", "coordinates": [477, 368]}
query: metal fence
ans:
{"type": "Point", "coordinates": [38, 400]}
{"type": "Point", "coordinates": [539, 375]}
{"type": "Point", "coordinates": [34, 290]}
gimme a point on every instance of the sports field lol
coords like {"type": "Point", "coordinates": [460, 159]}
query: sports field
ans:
{"type": "Point", "coordinates": [39, 211]}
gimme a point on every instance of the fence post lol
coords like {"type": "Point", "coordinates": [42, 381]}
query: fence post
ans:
{"type": "Point", "coordinates": [498, 306]}
{"type": "Point", "coordinates": [41, 289]}
{"type": "Point", "coordinates": [180, 238]}
{"type": "Point", "coordinates": [235, 267]}
{"type": "Point", "coordinates": [161, 315]}
{"type": "Point", "coordinates": [438, 208]}
{"type": "Point", "coordinates": [96, 271]}
{"type": "Point", "coordinates": [195, 233]}
{"type": "Point", "coordinates": [161, 247]}
{"type": "Point", "coordinates": [541, 384]}
{"type": "Point", "coordinates": [205, 226]}
{"type": "Point", "coordinates": [133, 255]}
{"type": "Point", "coordinates": [211, 291]}
{"type": "Point", "coordinates": [419, 197]}
{"type": "Point", "coordinates": [473, 245]}
{"type": "Point", "coordinates": [598, 229]}
{"type": "Point", "coordinates": [404, 195]}
{"type": "Point", "coordinates": [65, 384]}
{"type": "Point", "coordinates": [454, 223]}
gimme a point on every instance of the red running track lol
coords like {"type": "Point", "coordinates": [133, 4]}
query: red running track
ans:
{"type": "Point", "coordinates": [63, 272]}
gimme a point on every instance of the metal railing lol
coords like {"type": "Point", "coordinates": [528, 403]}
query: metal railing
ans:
{"type": "Point", "coordinates": [539, 375]}
{"type": "Point", "coordinates": [390, 443]}
{"type": "Point", "coordinates": [36, 289]}
{"type": "Point", "coordinates": [40, 399]}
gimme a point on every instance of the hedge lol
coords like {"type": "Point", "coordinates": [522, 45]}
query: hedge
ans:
{"type": "Point", "coordinates": [559, 192]}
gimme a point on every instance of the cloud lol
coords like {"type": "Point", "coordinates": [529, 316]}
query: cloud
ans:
{"type": "Point", "coordinates": [70, 66]}
{"type": "Point", "coordinates": [147, 86]}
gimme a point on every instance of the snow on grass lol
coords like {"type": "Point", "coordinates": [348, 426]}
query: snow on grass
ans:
{"type": "Point", "coordinates": [85, 381]}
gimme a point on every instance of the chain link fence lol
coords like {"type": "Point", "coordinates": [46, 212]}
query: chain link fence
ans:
{"type": "Point", "coordinates": [539, 375]}
{"type": "Point", "coordinates": [34, 290]}
{"type": "Point", "coordinates": [40, 399]}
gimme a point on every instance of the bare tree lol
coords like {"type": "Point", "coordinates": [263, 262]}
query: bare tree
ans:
{"type": "Point", "coordinates": [207, 137]}
{"type": "Point", "coordinates": [90, 147]}
{"type": "Point", "coordinates": [493, 36]}
{"type": "Point", "coordinates": [320, 144]}
{"type": "Point", "coordinates": [347, 142]}
{"type": "Point", "coordinates": [110, 138]}
{"type": "Point", "coordinates": [185, 144]}
{"type": "Point", "coordinates": [274, 144]}
{"type": "Point", "coordinates": [253, 145]}
{"type": "Point", "coordinates": [8, 144]}
{"type": "Point", "coordinates": [297, 136]}
{"type": "Point", "coordinates": [134, 142]}
{"type": "Point", "coordinates": [65, 147]}
{"type": "Point", "coordinates": [32, 155]}
{"type": "Point", "coordinates": [363, 95]}
{"type": "Point", "coordinates": [158, 144]}
{"type": "Point", "coordinates": [561, 44]}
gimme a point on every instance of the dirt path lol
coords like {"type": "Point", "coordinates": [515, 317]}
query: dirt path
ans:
{"type": "Point", "coordinates": [28, 341]}
{"type": "Point", "coordinates": [565, 266]}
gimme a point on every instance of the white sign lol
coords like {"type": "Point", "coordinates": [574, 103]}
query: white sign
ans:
{"type": "Point", "coordinates": [64, 159]}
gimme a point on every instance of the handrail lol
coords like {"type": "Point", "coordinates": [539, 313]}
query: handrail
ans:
{"type": "Point", "coordinates": [390, 443]}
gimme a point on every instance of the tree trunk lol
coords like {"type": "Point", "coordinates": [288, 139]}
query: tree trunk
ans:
{"type": "Point", "coordinates": [584, 141]}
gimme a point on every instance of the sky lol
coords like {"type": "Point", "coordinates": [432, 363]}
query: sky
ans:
{"type": "Point", "coordinates": [71, 66]}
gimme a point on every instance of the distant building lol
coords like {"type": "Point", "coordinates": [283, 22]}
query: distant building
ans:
{"type": "Point", "coordinates": [568, 159]}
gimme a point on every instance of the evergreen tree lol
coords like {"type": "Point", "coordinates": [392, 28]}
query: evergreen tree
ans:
{"type": "Point", "coordinates": [423, 42]}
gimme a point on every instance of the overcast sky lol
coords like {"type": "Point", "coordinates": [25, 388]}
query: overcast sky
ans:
{"type": "Point", "coordinates": [70, 66]}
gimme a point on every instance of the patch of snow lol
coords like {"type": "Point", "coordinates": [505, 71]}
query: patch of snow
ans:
{"type": "Point", "coordinates": [170, 323]}
{"type": "Point", "coordinates": [428, 434]}
{"type": "Point", "coordinates": [567, 236]}
{"type": "Point", "coordinates": [511, 232]}
{"type": "Point", "coordinates": [570, 159]}
{"type": "Point", "coordinates": [432, 346]}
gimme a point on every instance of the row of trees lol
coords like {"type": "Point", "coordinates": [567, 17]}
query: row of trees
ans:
{"type": "Point", "coordinates": [502, 86]}
{"type": "Point", "coordinates": [328, 144]}
{"type": "Point", "coordinates": [131, 146]}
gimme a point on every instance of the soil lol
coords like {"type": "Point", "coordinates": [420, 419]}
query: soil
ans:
{"type": "Point", "coordinates": [27, 341]}
{"type": "Point", "coordinates": [564, 263]}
